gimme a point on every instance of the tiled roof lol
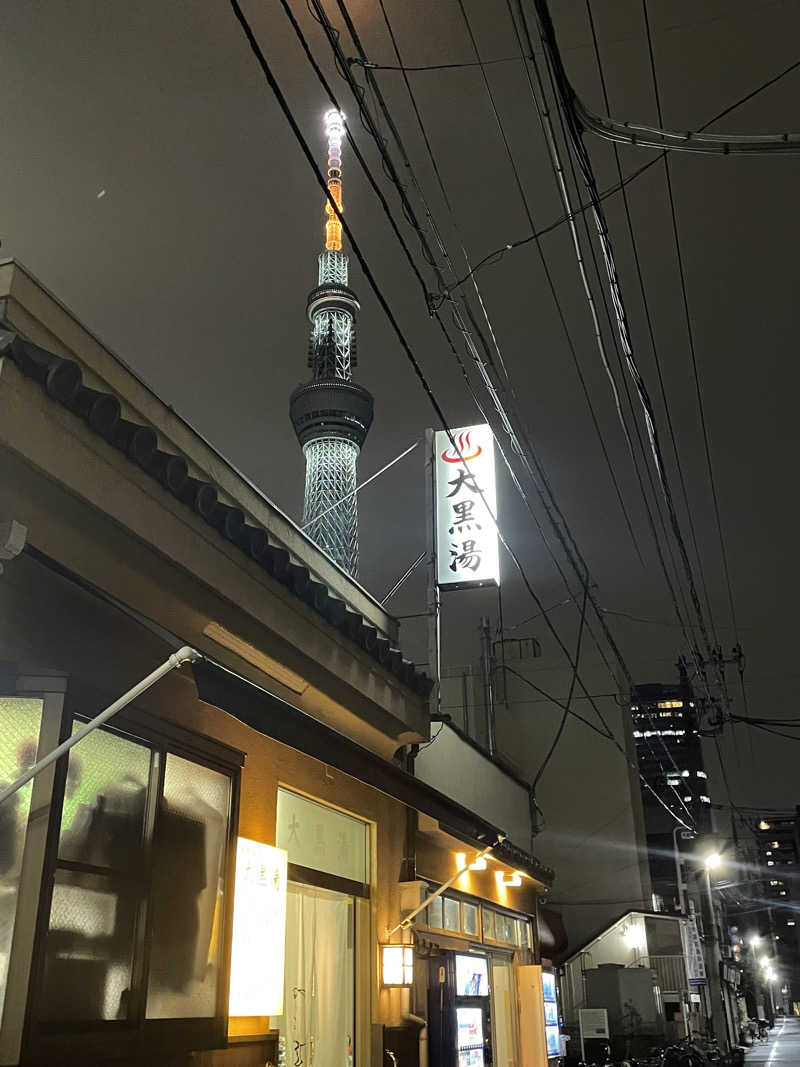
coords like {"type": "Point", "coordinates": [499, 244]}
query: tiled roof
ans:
{"type": "Point", "coordinates": [62, 380]}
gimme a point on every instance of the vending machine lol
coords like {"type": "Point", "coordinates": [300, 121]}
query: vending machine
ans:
{"type": "Point", "coordinates": [459, 1012]}
{"type": "Point", "coordinates": [552, 1031]}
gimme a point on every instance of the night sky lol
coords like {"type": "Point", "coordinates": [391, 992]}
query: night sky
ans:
{"type": "Point", "coordinates": [151, 183]}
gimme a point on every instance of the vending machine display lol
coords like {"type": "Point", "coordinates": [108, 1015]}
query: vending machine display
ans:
{"type": "Point", "coordinates": [470, 1037]}
{"type": "Point", "coordinates": [472, 976]}
{"type": "Point", "coordinates": [551, 1027]}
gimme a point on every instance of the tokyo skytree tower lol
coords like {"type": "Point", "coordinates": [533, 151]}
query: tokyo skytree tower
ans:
{"type": "Point", "coordinates": [330, 413]}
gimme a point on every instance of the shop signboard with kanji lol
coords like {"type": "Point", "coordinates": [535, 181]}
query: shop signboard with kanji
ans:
{"type": "Point", "coordinates": [466, 508]}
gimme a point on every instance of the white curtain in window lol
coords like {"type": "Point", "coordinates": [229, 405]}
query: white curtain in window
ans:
{"type": "Point", "coordinates": [318, 1019]}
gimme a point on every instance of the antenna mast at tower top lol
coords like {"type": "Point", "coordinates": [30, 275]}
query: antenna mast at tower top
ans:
{"type": "Point", "coordinates": [334, 128]}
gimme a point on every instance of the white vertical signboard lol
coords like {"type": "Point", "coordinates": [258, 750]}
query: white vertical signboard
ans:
{"type": "Point", "coordinates": [259, 930]}
{"type": "Point", "coordinates": [466, 501]}
{"type": "Point", "coordinates": [693, 953]}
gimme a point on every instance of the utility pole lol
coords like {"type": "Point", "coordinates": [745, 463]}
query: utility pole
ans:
{"type": "Point", "coordinates": [487, 674]}
{"type": "Point", "coordinates": [713, 957]}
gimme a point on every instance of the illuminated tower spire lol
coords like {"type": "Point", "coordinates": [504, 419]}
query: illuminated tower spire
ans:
{"type": "Point", "coordinates": [331, 414]}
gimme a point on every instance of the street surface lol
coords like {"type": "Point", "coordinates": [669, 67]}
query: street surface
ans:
{"type": "Point", "coordinates": [782, 1049]}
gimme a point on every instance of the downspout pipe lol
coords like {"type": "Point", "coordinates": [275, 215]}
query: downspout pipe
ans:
{"type": "Point", "coordinates": [183, 655]}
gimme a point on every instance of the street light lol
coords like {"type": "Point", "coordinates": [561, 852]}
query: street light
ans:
{"type": "Point", "coordinates": [718, 1020]}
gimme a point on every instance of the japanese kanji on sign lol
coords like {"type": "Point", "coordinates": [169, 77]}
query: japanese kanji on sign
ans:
{"type": "Point", "coordinates": [466, 501]}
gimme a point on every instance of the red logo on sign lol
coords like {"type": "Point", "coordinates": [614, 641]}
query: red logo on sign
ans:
{"type": "Point", "coordinates": [450, 455]}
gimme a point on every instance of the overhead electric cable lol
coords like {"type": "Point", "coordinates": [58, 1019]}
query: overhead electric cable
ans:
{"type": "Point", "coordinates": [284, 106]}
{"type": "Point", "coordinates": [547, 35]}
{"type": "Point", "coordinates": [409, 353]}
{"type": "Point", "coordinates": [650, 327]}
{"type": "Point", "coordinates": [495, 256]}
{"type": "Point", "coordinates": [369, 123]}
{"type": "Point", "coordinates": [342, 66]}
{"type": "Point", "coordinates": [693, 354]}
{"type": "Point", "coordinates": [559, 732]}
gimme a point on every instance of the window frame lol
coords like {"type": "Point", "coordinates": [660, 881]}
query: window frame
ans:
{"type": "Point", "coordinates": [104, 1039]}
{"type": "Point", "coordinates": [517, 917]}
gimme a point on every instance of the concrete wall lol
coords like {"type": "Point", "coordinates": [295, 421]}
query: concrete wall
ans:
{"type": "Point", "coordinates": [462, 772]}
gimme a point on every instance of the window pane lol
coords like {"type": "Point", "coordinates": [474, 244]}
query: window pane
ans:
{"type": "Point", "coordinates": [469, 914]}
{"type": "Point", "coordinates": [104, 801]}
{"type": "Point", "coordinates": [435, 913]}
{"type": "Point", "coordinates": [88, 954]}
{"type": "Point", "coordinates": [322, 838]}
{"type": "Point", "coordinates": [523, 933]}
{"type": "Point", "coordinates": [506, 929]}
{"type": "Point", "coordinates": [452, 914]}
{"type": "Point", "coordinates": [187, 897]}
{"type": "Point", "coordinates": [20, 720]}
{"type": "Point", "coordinates": [488, 924]}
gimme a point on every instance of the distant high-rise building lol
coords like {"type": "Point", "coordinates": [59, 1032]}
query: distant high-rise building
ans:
{"type": "Point", "coordinates": [330, 413]}
{"type": "Point", "coordinates": [778, 846]}
{"type": "Point", "coordinates": [670, 759]}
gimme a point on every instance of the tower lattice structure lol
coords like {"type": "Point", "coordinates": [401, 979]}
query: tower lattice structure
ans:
{"type": "Point", "coordinates": [330, 413]}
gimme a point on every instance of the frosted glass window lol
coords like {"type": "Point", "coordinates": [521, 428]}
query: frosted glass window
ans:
{"type": "Point", "coordinates": [20, 721]}
{"type": "Point", "coordinates": [435, 914]}
{"type": "Point", "coordinates": [523, 933]}
{"type": "Point", "coordinates": [187, 892]}
{"type": "Point", "coordinates": [488, 924]}
{"type": "Point", "coordinates": [506, 929]}
{"type": "Point", "coordinates": [104, 801]}
{"type": "Point", "coordinates": [452, 914]}
{"type": "Point", "coordinates": [87, 969]}
{"type": "Point", "coordinates": [469, 916]}
{"type": "Point", "coordinates": [322, 838]}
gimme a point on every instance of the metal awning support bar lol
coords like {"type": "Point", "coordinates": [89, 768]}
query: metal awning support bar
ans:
{"type": "Point", "coordinates": [183, 655]}
{"type": "Point", "coordinates": [405, 923]}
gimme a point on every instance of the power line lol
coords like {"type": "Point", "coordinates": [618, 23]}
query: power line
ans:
{"type": "Point", "coordinates": [563, 723]}
{"type": "Point", "coordinates": [431, 66]}
{"type": "Point", "coordinates": [342, 66]}
{"type": "Point", "coordinates": [649, 321]}
{"type": "Point", "coordinates": [283, 104]}
{"type": "Point", "coordinates": [281, 99]}
{"type": "Point", "coordinates": [495, 256]}
{"type": "Point", "coordinates": [566, 94]}
{"type": "Point", "coordinates": [369, 124]}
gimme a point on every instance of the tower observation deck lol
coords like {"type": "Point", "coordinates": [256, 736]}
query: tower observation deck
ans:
{"type": "Point", "coordinates": [332, 415]}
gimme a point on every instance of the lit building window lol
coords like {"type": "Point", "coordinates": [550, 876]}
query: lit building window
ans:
{"type": "Point", "coordinates": [684, 774]}
{"type": "Point", "coordinates": [770, 863]}
{"type": "Point", "coordinates": [764, 825]}
{"type": "Point", "coordinates": [670, 704]}
{"type": "Point", "coordinates": [705, 800]}
{"type": "Point", "coordinates": [702, 774]}
{"type": "Point", "coordinates": [767, 853]}
{"type": "Point", "coordinates": [688, 798]}
{"type": "Point", "coordinates": [790, 922]}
